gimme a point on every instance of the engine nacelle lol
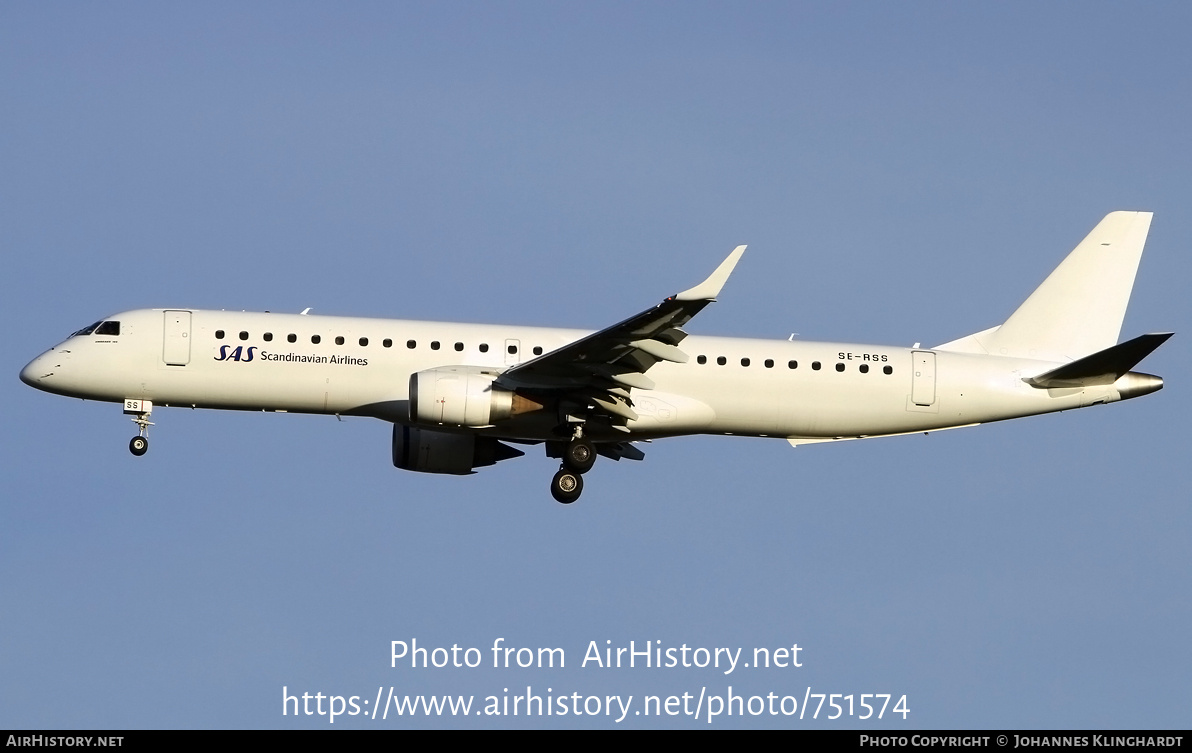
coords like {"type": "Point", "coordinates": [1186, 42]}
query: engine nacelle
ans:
{"type": "Point", "coordinates": [430, 451]}
{"type": "Point", "coordinates": [462, 396]}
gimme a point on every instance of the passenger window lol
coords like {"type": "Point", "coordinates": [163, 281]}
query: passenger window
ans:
{"type": "Point", "coordinates": [315, 339]}
{"type": "Point", "coordinates": [863, 368]}
{"type": "Point", "coordinates": [411, 344]}
{"type": "Point", "coordinates": [840, 367]}
{"type": "Point", "coordinates": [243, 335]}
{"type": "Point", "coordinates": [364, 342]}
{"type": "Point", "coordinates": [537, 350]}
{"type": "Point", "coordinates": [267, 337]}
{"type": "Point", "coordinates": [815, 365]}
{"type": "Point", "coordinates": [512, 350]}
{"type": "Point", "coordinates": [339, 340]}
{"type": "Point", "coordinates": [792, 364]}
{"type": "Point", "coordinates": [701, 359]}
{"type": "Point", "coordinates": [219, 334]}
{"type": "Point", "coordinates": [434, 344]}
{"type": "Point", "coordinates": [387, 343]}
{"type": "Point", "coordinates": [744, 361]}
{"type": "Point", "coordinates": [721, 360]}
{"type": "Point", "coordinates": [769, 363]}
{"type": "Point", "coordinates": [459, 347]}
{"type": "Point", "coordinates": [887, 370]}
{"type": "Point", "coordinates": [292, 338]}
{"type": "Point", "coordinates": [483, 347]}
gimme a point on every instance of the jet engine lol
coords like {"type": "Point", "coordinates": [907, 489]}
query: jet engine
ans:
{"type": "Point", "coordinates": [463, 396]}
{"type": "Point", "coordinates": [430, 451]}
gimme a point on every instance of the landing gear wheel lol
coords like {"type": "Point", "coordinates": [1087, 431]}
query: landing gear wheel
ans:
{"type": "Point", "coordinates": [138, 446]}
{"type": "Point", "coordinates": [580, 455]}
{"type": "Point", "coordinates": [566, 486]}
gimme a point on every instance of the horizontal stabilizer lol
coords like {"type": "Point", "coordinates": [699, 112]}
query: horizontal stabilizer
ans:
{"type": "Point", "coordinates": [1103, 367]}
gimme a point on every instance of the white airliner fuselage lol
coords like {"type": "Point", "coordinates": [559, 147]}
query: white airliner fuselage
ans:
{"type": "Point", "coordinates": [808, 390]}
{"type": "Point", "coordinates": [453, 390]}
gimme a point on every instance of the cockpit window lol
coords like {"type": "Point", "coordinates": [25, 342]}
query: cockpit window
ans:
{"type": "Point", "coordinates": [87, 330]}
{"type": "Point", "coordinates": [108, 328]}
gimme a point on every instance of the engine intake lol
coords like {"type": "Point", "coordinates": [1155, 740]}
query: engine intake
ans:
{"type": "Point", "coordinates": [430, 451]}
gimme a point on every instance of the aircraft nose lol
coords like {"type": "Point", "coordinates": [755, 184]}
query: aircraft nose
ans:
{"type": "Point", "coordinates": [36, 370]}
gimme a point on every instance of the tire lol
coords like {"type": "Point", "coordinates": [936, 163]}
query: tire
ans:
{"type": "Point", "coordinates": [566, 486]}
{"type": "Point", "coordinates": [579, 456]}
{"type": "Point", "coordinates": [138, 446]}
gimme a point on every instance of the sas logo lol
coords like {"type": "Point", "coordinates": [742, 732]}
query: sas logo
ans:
{"type": "Point", "coordinates": [240, 353]}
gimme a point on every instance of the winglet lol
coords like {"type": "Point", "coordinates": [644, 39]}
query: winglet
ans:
{"type": "Point", "coordinates": [710, 288]}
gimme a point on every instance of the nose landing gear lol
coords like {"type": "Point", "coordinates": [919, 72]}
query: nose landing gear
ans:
{"type": "Point", "coordinates": [141, 410]}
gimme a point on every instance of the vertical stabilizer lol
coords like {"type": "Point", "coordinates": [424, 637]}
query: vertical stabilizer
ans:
{"type": "Point", "coordinates": [1079, 308]}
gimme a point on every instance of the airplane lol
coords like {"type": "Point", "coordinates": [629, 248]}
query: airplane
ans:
{"type": "Point", "coordinates": [460, 396]}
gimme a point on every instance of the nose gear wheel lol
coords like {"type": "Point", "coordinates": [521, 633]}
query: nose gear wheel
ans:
{"type": "Point", "coordinates": [139, 444]}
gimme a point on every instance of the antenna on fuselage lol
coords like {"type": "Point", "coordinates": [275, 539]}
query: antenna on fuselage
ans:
{"type": "Point", "coordinates": [305, 311]}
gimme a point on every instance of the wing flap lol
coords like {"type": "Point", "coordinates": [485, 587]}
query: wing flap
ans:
{"type": "Point", "coordinates": [620, 450]}
{"type": "Point", "coordinates": [660, 350]}
{"type": "Point", "coordinates": [616, 407]}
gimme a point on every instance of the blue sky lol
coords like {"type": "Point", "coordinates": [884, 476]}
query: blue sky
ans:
{"type": "Point", "coordinates": [902, 172]}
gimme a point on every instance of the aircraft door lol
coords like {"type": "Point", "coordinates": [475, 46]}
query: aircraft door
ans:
{"type": "Point", "coordinates": [175, 349]}
{"type": "Point", "coordinates": [923, 383]}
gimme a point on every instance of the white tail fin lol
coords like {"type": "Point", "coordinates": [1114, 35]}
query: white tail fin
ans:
{"type": "Point", "coordinates": [1079, 308]}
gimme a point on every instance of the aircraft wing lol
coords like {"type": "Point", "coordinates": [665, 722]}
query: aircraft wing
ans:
{"type": "Point", "coordinates": [601, 368]}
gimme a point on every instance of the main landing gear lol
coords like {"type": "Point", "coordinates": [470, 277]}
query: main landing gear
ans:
{"type": "Point", "coordinates": [566, 486]}
{"type": "Point", "coordinates": [140, 410]}
{"type": "Point", "coordinates": [580, 455]}
{"type": "Point", "coordinates": [578, 458]}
